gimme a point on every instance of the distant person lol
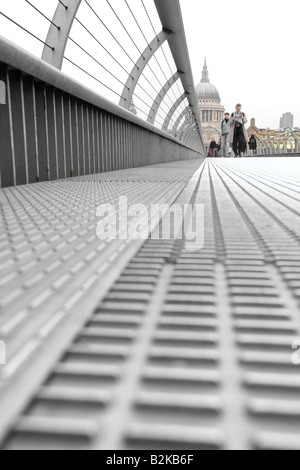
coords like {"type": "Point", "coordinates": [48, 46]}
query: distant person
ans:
{"type": "Point", "coordinates": [238, 136]}
{"type": "Point", "coordinates": [213, 148]}
{"type": "Point", "coordinates": [253, 145]}
{"type": "Point", "coordinates": [225, 131]}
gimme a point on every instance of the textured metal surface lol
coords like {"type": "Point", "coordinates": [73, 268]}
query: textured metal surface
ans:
{"type": "Point", "coordinates": [178, 349]}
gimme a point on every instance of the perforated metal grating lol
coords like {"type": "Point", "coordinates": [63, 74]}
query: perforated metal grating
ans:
{"type": "Point", "coordinates": [184, 350]}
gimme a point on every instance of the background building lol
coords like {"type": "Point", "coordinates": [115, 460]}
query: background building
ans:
{"type": "Point", "coordinates": [287, 120]}
{"type": "Point", "coordinates": [210, 108]}
{"type": "Point", "coordinates": [261, 133]}
{"type": "Point", "coordinates": [286, 139]}
{"type": "Point", "coordinates": [266, 133]}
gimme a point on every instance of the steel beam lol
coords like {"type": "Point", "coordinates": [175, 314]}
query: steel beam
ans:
{"type": "Point", "coordinates": [2, 92]}
{"type": "Point", "coordinates": [59, 32]}
{"type": "Point", "coordinates": [161, 96]}
{"type": "Point", "coordinates": [278, 143]}
{"type": "Point", "coordinates": [191, 132]}
{"type": "Point", "coordinates": [185, 112]}
{"type": "Point", "coordinates": [297, 144]}
{"type": "Point", "coordinates": [140, 66]}
{"type": "Point", "coordinates": [272, 145]}
{"type": "Point", "coordinates": [172, 111]}
{"type": "Point", "coordinates": [170, 15]}
{"type": "Point", "coordinates": [186, 124]}
{"type": "Point", "coordinates": [265, 148]}
{"type": "Point", "coordinates": [292, 141]}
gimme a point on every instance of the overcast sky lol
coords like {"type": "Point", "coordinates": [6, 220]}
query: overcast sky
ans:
{"type": "Point", "coordinates": [252, 48]}
{"type": "Point", "coordinates": [252, 51]}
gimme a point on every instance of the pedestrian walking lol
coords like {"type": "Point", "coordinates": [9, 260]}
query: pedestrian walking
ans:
{"type": "Point", "coordinates": [238, 136]}
{"type": "Point", "coordinates": [253, 145]}
{"type": "Point", "coordinates": [225, 131]}
{"type": "Point", "coordinates": [213, 148]}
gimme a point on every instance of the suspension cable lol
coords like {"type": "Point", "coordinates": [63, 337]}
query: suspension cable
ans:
{"type": "Point", "coordinates": [109, 31]}
{"type": "Point", "coordinates": [42, 14]}
{"type": "Point", "coordinates": [101, 21]}
{"type": "Point", "coordinates": [134, 43]}
{"type": "Point", "coordinates": [95, 60]}
{"type": "Point", "coordinates": [103, 47]}
{"type": "Point", "coordinates": [137, 23]}
{"type": "Point", "coordinates": [125, 29]}
{"type": "Point", "coordinates": [26, 31]}
{"type": "Point", "coordinates": [92, 76]}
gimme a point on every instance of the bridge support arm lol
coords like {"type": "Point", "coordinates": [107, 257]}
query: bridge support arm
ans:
{"type": "Point", "coordinates": [140, 66]}
{"type": "Point", "coordinates": [57, 38]}
{"type": "Point", "coordinates": [172, 111]}
{"type": "Point", "coordinates": [185, 112]}
{"type": "Point", "coordinates": [161, 96]}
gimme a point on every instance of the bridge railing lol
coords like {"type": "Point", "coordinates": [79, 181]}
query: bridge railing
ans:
{"type": "Point", "coordinates": [132, 54]}
{"type": "Point", "coordinates": [282, 143]}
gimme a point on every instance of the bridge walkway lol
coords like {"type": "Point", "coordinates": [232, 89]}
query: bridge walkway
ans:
{"type": "Point", "coordinates": [153, 344]}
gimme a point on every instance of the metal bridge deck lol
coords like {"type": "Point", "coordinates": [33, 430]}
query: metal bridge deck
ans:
{"type": "Point", "coordinates": [147, 345]}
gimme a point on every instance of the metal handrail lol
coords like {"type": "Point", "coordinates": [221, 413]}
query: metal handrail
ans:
{"type": "Point", "coordinates": [170, 15]}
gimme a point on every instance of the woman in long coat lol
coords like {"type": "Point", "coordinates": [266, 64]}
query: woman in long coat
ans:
{"type": "Point", "coordinates": [238, 136]}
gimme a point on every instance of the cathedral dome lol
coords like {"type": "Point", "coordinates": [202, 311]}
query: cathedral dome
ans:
{"type": "Point", "coordinates": [206, 90]}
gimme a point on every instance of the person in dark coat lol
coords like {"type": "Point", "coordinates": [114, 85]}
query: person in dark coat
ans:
{"type": "Point", "coordinates": [238, 136]}
{"type": "Point", "coordinates": [213, 148]}
{"type": "Point", "coordinates": [253, 145]}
